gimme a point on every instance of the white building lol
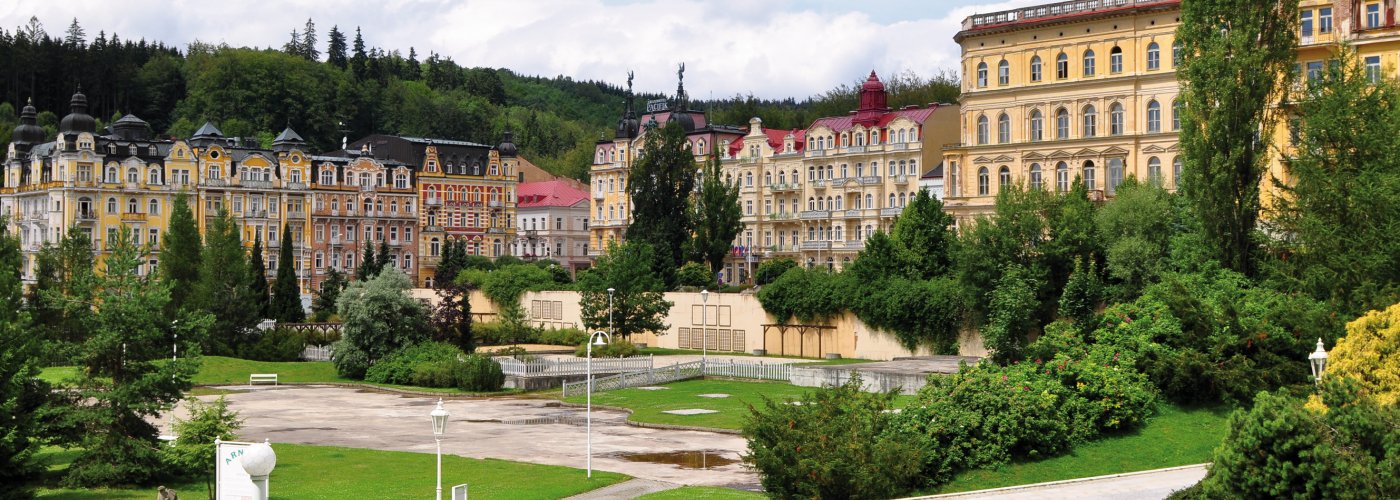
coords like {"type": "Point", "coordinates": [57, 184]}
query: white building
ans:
{"type": "Point", "coordinates": [552, 222]}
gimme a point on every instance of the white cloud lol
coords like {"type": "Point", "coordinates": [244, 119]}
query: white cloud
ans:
{"type": "Point", "coordinates": [772, 50]}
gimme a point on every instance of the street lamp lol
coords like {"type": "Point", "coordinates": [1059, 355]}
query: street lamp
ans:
{"type": "Point", "coordinates": [595, 339]}
{"type": "Point", "coordinates": [439, 416]}
{"type": "Point", "coordinates": [258, 462]}
{"type": "Point", "coordinates": [1318, 359]}
{"type": "Point", "coordinates": [610, 312]}
{"type": "Point", "coordinates": [704, 327]}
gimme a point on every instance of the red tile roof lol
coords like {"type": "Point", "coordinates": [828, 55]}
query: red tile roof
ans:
{"type": "Point", "coordinates": [555, 193]}
{"type": "Point", "coordinates": [776, 138]}
{"type": "Point", "coordinates": [840, 123]}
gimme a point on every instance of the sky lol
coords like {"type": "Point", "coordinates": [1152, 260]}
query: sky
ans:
{"type": "Point", "coordinates": [769, 48]}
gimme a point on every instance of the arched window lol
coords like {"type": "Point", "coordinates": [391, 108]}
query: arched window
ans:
{"type": "Point", "coordinates": [1115, 174]}
{"type": "Point", "coordinates": [891, 203]}
{"type": "Point", "coordinates": [110, 175]}
{"type": "Point", "coordinates": [1154, 56]}
{"type": "Point", "coordinates": [1091, 121]}
{"type": "Point", "coordinates": [1003, 178]}
{"type": "Point", "coordinates": [1035, 68]}
{"type": "Point", "coordinates": [111, 205]}
{"type": "Point", "coordinates": [1089, 62]}
{"type": "Point", "coordinates": [1036, 180]}
{"type": "Point", "coordinates": [1154, 171]}
{"type": "Point", "coordinates": [1154, 116]}
{"type": "Point", "coordinates": [1062, 177]}
{"type": "Point", "coordinates": [984, 182]}
{"type": "Point", "coordinates": [1090, 178]}
{"type": "Point", "coordinates": [327, 177]}
{"type": "Point", "coordinates": [1176, 172]}
{"type": "Point", "coordinates": [154, 177]}
{"type": "Point", "coordinates": [811, 203]}
{"type": "Point", "coordinates": [1037, 126]}
{"type": "Point", "coordinates": [1115, 119]}
{"type": "Point", "coordinates": [1003, 129]}
{"type": "Point", "coordinates": [982, 131]}
{"type": "Point", "coordinates": [981, 75]}
{"type": "Point", "coordinates": [1176, 115]}
{"type": "Point", "coordinates": [1062, 66]}
{"type": "Point", "coordinates": [1115, 60]}
{"type": "Point", "coordinates": [1062, 124]}
{"type": "Point", "coordinates": [869, 201]}
{"type": "Point", "coordinates": [132, 176]}
{"type": "Point", "coordinates": [1003, 72]}
{"type": "Point", "coordinates": [153, 207]}
{"type": "Point", "coordinates": [131, 206]}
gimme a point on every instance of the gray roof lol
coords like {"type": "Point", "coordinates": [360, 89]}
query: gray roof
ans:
{"type": "Point", "coordinates": [288, 135]}
{"type": "Point", "coordinates": [936, 173]}
{"type": "Point", "coordinates": [208, 129]}
{"type": "Point", "coordinates": [445, 142]}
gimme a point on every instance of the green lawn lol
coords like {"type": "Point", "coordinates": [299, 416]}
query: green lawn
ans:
{"type": "Point", "coordinates": [57, 374]}
{"type": "Point", "coordinates": [701, 493]}
{"type": "Point", "coordinates": [1175, 436]}
{"type": "Point", "coordinates": [316, 472]}
{"type": "Point", "coordinates": [663, 351]}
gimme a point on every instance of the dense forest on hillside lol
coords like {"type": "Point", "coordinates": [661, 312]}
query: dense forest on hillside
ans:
{"type": "Point", "coordinates": [350, 90]}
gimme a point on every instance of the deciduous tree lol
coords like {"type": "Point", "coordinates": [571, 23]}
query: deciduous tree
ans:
{"type": "Point", "coordinates": [715, 216]}
{"type": "Point", "coordinates": [378, 317]}
{"type": "Point", "coordinates": [660, 184]}
{"type": "Point", "coordinates": [638, 303]}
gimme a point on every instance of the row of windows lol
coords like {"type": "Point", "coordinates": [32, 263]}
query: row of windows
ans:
{"type": "Point", "coordinates": [838, 202]}
{"type": "Point", "coordinates": [860, 138]}
{"type": "Point", "coordinates": [1088, 65]}
{"type": "Point", "coordinates": [1061, 182]}
{"type": "Point", "coordinates": [1324, 21]}
{"type": "Point", "coordinates": [461, 194]}
{"type": "Point", "coordinates": [406, 263]}
{"type": "Point", "coordinates": [1089, 125]}
{"type": "Point", "coordinates": [371, 233]}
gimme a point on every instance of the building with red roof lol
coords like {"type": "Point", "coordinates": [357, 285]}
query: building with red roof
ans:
{"type": "Point", "coordinates": [552, 221]}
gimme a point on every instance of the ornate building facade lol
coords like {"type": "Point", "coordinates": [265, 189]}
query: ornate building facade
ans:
{"type": "Point", "coordinates": [359, 200]}
{"type": "Point", "coordinates": [552, 223]}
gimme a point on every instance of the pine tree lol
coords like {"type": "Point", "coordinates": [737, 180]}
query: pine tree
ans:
{"type": "Point", "coordinates": [293, 46]}
{"type": "Point", "coordinates": [76, 37]}
{"type": "Point", "coordinates": [382, 260]}
{"type": "Point", "coordinates": [257, 279]}
{"type": "Point", "coordinates": [716, 216]}
{"type": "Point", "coordinates": [308, 42]}
{"type": "Point", "coordinates": [223, 287]}
{"type": "Point", "coordinates": [415, 70]}
{"type": "Point", "coordinates": [1233, 53]}
{"type": "Point", "coordinates": [366, 271]}
{"type": "Point", "coordinates": [335, 48]}
{"type": "Point", "coordinates": [358, 60]}
{"type": "Point", "coordinates": [179, 256]}
{"type": "Point", "coordinates": [328, 294]}
{"type": "Point", "coordinates": [60, 295]}
{"type": "Point", "coordinates": [22, 393]}
{"type": "Point", "coordinates": [286, 294]}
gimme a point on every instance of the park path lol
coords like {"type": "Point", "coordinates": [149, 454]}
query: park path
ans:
{"type": "Point", "coordinates": [626, 490]}
{"type": "Point", "coordinates": [527, 430]}
{"type": "Point", "coordinates": [1151, 484]}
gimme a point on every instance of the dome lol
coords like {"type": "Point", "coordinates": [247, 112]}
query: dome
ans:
{"type": "Point", "coordinates": [684, 119]}
{"type": "Point", "coordinates": [627, 127]}
{"type": "Point", "coordinates": [873, 83]}
{"type": "Point", "coordinates": [78, 120]}
{"type": "Point", "coordinates": [28, 133]}
{"type": "Point", "coordinates": [131, 128]}
{"type": "Point", "coordinates": [507, 148]}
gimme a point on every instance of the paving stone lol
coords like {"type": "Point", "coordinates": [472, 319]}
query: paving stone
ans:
{"type": "Point", "coordinates": [654, 388]}
{"type": "Point", "coordinates": [690, 411]}
{"type": "Point", "coordinates": [715, 396]}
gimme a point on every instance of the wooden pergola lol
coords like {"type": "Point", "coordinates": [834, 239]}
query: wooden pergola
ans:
{"type": "Point", "coordinates": [801, 330]}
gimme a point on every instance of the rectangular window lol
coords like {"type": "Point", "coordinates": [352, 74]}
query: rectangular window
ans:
{"type": "Point", "coordinates": [1373, 68]}
{"type": "Point", "coordinates": [1314, 71]}
{"type": "Point", "coordinates": [320, 233]}
{"type": "Point", "coordinates": [1305, 23]}
{"type": "Point", "coordinates": [154, 238]}
{"type": "Point", "coordinates": [1373, 15]}
{"type": "Point", "coordinates": [1324, 20]}
{"type": "Point", "coordinates": [1115, 62]}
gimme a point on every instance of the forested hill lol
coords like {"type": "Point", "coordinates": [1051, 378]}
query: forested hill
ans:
{"type": "Point", "coordinates": [337, 87]}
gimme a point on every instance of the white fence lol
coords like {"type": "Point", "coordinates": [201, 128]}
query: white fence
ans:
{"type": "Point", "coordinates": [682, 371]}
{"type": "Point", "coordinates": [316, 353]}
{"type": "Point", "coordinates": [551, 367]}
{"type": "Point", "coordinates": [738, 369]}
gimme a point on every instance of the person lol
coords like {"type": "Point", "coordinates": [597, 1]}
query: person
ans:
{"type": "Point", "coordinates": [165, 494]}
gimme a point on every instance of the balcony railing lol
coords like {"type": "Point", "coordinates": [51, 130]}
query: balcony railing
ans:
{"type": "Point", "coordinates": [295, 214]}
{"type": "Point", "coordinates": [869, 180]}
{"type": "Point", "coordinates": [901, 179]}
{"type": "Point", "coordinates": [432, 202]}
{"type": "Point", "coordinates": [133, 217]}
{"type": "Point", "coordinates": [816, 245]}
{"type": "Point", "coordinates": [891, 212]}
{"type": "Point", "coordinates": [819, 183]}
{"type": "Point", "coordinates": [247, 183]}
{"type": "Point", "coordinates": [214, 182]}
{"type": "Point", "coordinates": [300, 186]}
{"type": "Point", "coordinates": [1052, 10]}
{"type": "Point", "coordinates": [86, 216]}
{"type": "Point", "coordinates": [432, 229]}
{"type": "Point", "coordinates": [852, 214]}
{"type": "Point", "coordinates": [254, 214]}
{"type": "Point", "coordinates": [814, 214]}
{"type": "Point", "coordinates": [779, 216]}
{"type": "Point", "coordinates": [494, 204]}
{"type": "Point", "coordinates": [782, 187]}
{"type": "Point", "coordinates": [853, 245]}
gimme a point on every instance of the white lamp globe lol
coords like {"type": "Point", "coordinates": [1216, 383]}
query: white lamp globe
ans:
{"type": "Point", "coordinates": [259, 460]}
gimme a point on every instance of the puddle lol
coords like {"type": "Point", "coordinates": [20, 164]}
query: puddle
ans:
{"type": "Point", "coordinates": [546, 420]}
{"type": "Point", "coordinates": [698, 459]}
{"type": "Point", "coordinates": [487, 421]}
{"type": "Point", "coordinates": [296, 429]}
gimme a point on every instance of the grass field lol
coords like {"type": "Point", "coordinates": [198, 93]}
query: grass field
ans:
{"type": "Point", "coordinates": [1175, 436]}
{"type": "Point", "coordinates": [323, 472]}
{"type": "Point", "coordinates": [701, 493]}
{"type": "Point", "coordinates": [647, 406]}
{"type": "Point", "coordinates": [663, 351]}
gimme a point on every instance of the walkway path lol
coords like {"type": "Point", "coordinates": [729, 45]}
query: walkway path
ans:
{"type": "Point", "coordinates": [527, 430]}
{"type": "Point", "coordinates": [626, 490]}
{"type": "Point", "coordinates": [1152, 484]}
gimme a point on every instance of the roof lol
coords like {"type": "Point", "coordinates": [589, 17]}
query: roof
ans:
{"type": "Point", "coordinates": [935, 173]}
{"type": "Point", "coordinates": [555, 193]}
{"type": "Point", "coordinates": [532, 172]}
{"type": "Point", "coordinates": [443, 142]}
{"type": "Point", "coordinates": [208, 129]}
{"type": "Point", "coordinates": [840, 123]}
{"type": "Point", "coordinates": [777, 139]}
{"type": "Point", "coordinates": [1061, 12]}
{"type": "Point", "coordinates": [288, 135]}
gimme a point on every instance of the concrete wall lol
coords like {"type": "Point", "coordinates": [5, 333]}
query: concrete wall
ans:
{"type": "Point", "coordinates": [735, 324]}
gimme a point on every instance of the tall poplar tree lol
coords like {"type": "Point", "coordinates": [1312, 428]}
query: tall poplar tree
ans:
{"type": "Point", "coordinates": [660, 184]}
{"type": "Point", "coordinates": [716, 216]}
{"type": "Point", "coordinates": [179, 256]}
{"type": "Point", "coordinates": [257, 279]}
{"type": "Point", "coordinates": [223, 286]}
{"type": "Point", "coordinates": [286, 293]}
{"type": "Point", "coordinates": [1235, 59]}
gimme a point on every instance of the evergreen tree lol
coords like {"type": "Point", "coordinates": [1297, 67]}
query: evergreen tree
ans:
{"type": "Point", "coordinates": [1233, 54]}
{"type": "Point", "coordinates": [76, 38]}
{"type": "Point", "coordinates": [328, 294]}
{"type": "Point", "coordinates": [451, 263]}
{"type": "Point", "coordinates": [359, 61]}
{"type": "Point", "coordinates": [286, 293]}
{"type": "Point", "coordinates": [415, 70]}
{"type": "Point", "coordinates": [367, 271]}
{"type": "Point", "coordinates": [127, 376]}
{"type": "Point", "coordinates": [335, 48]}
{"type": "Point", "coordinates": [60, 295]}
{"type": "Point", "coordinates": [22, 393]}
{"type": "Point", "coordinates": [382, 260]}
{"type": "Point", "coordinates": [293, 46]}
{"type": "Point", "coordinates": [716, 216]}
{"type": "Point", "coordinates": [257, 280]}
{"type": "Point", "coordinates": [308, 42]}
{"type": "Point", "coordinates": [660, 183]}
{"type": "Point", "coordinates": [179, 256]}
{"type": "Point", "coordinates": [223, 287]}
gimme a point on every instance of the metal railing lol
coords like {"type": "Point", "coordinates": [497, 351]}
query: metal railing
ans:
{"type": "Point", "coordinates": [682, 371]}
{"type": "Point", "coordinates": [316, 353]}
{"type": "Point", "coordinates": [552, 367]}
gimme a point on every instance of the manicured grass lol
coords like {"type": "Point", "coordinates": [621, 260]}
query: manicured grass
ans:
{"type": "Point", "coordinates": [701, 493]}
{"type": "Point", "coordinates": [219, 370]}
{"type": "Point", "coordinates": [1175, 436]}
{"type": "Point", "coordinates": [325, 472]}
{"type": "Point", "coordinates": [663, 351]}
{"type": "Point", "coordinates": [57, 374]}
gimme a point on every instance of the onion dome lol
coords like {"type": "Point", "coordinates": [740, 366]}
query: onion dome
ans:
{"type": "Point", "coordinates": [131, 128]}
{"type": "Point", "coordinates": [872, 94]}
{"type": "Point", "coordinates": [507, 148]}
{"type": "Point", "coordinates": [28, 132]}
{"type": "Point", "coordinates": [685, 120]}
{"type": "Point", "coordinates": [78, 120]}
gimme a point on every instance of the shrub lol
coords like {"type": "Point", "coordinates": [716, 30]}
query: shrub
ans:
{"type": "Point", "coordinates": [617, 348]}
{"type": "Point", "coordinates": [807, 295]}
{"type": "Point", "coordinates": [1012, 313]}
{"type": "Point", "coordinates": [561, 336]}
{"type": "Point", "coordinates": [380, 318]}
{"type": "Point", "coordinates": [400, 366]}
{"type": "Point", "coordinates": [516, 352]}
{"type": "Point", "coordinates": [1061, 336]}
{"type": "Point", "coordinates": [839, 443]}
{"type": "Point", "coordinates": [505, 261]}
{"type": "Point", "coordinates": [193, 453]}
{"type": "Point", "coordinates": [769, 270]}
{"type": "Point", "coordinates": [277, 344]}
{"type": "Point", "coordinates": [479, 374]}
{"type": "Point", "coordinates": [1370, 354]}
{"type": "Point", "coordinates": [505, 285]}
{"type": "Point", "coordinates": [695, 274]}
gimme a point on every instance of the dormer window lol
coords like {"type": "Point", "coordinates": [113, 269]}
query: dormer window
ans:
{"type": "Point", "coordinates": [132, 149]}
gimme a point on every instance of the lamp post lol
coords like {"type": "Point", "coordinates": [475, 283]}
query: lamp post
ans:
{"type": "Point", "coordinates": [704, 327]}
{"type": "Point", "coordinates": [594, 339]}
{"type": "Point", "coordinates": [258, 462]}
{"type": "Point", "coordinates": [1318, 360]}
{"type": "Point", "coordinates": [439, 416]}
{"type": "Point", "coordinates": [610, 312]}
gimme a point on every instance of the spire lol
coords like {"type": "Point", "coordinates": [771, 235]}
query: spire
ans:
{"type": "Point", "coordinates": [681, 100]}
{"type": "Point", "coordinates": [630, 97]}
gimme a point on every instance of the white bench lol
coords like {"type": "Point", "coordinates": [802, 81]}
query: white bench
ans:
{"type": "Point", "coordinates": [262, 377]}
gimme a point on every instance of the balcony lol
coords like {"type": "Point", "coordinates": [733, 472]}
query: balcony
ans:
{"type": "Point", "coordinates": [853, 245]}
{"type": "Point", "coordinates": [300, 186]}
{"type": "Point", "coordinates": [891, 212]}
{"type": "Point", "coordinates": [367, 188]}
{"type": "Point", "coordinates": [779, 216]}
{"type": "Point", "coordinates": [852, 214]}
{"type": "Point", "coordinates": [816, 153]}
{"type": "Point", "coordinates": [598, 195]}
{"type": "Point", "coordinates": [255, 214]}
{"type": "Point", "coordinates": [495, 204]}
{"type": "Point", "coordinates": [1096, 195]}
{"type": "Point", "coordinates": [86, 216]}
{"type": "Point", "coordinates": [783, 249]}
{"type": "Point", "coordinates": [252, 184]}
{"type": "Point", "coordinates": [335, 240]}
{"type": "Point", "coordinates": [296, 215]}
{"type": "Point", "coordinates": [495, 230]}
{"type": "Point", "coordinates": [839, 182]}
{"type": "Point", "coordinates": [1074, 7]}
{"type": "Point", "coordinates": [901, 179]}
{"type": "Point", "coordinates": [819, 183]}
{"type": "Point", "coordinates": [214, 183]}
{"type": "Point", "coordinates": [869, 180]}
{"type": "Point", "coordinates": [816, 245]}
{"type": "Point", "coordinates": [133, 217]}
{"type": "Point", "coordinates": [432, 202]}
{"type": "Point", "coordinates": [432, 229]}
{"type": "Point", "coordinates": [814, 214]}
{"type": "Point", "coordinates": [782, 187]}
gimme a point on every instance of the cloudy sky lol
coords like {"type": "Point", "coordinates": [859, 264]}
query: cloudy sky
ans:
{"type": "Point", "coordinates": [771, 48]}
